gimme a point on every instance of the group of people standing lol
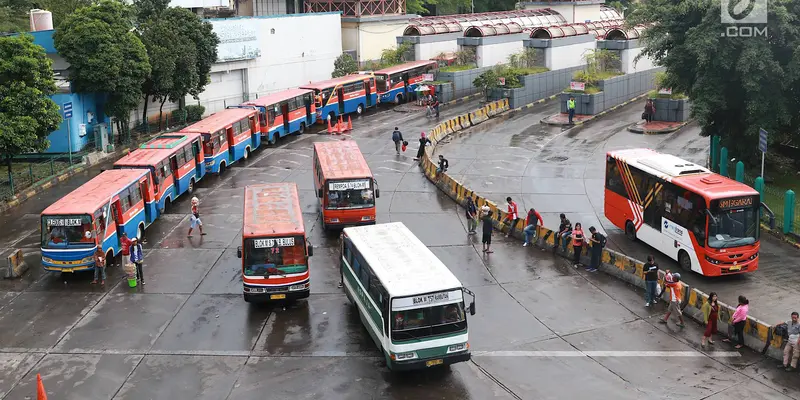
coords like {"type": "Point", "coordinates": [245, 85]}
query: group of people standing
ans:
{"type": "Point", "coordinates": [596, 241]}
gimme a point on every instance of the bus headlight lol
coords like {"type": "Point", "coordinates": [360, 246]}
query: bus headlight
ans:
{"type": "Point", "coordinates": [458, 347]}
{"type": "Point", "coordinates": [711, 260]}
{"type": "Point", "coordinates": [754, 256]}
{"type": "Point", "coordinates": [405, 356]}
{"type": "Point", "coordinates": [366, 218]}
{"type": "Point", "coordinates": [303, 286]}
{"type": "Point", "coordinates": [48, 260]}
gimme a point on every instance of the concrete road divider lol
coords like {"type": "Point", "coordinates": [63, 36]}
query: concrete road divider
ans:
{"type": "Point", "coordinates": [15, 267]}
{"type": "Point", "coordinates": [757, 332]}
{"type": "Point", "coordinates": [463, 121]}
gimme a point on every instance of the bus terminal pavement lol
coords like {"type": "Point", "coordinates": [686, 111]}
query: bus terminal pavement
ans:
{"type": "Point", "coordinates": [543, 330]}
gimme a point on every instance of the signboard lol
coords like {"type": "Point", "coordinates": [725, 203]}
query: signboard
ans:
{"type": "Point", "coordinates": [273, 242]}
{"type": "Point", "coordinates": [428, 300]}
{"type": "Point", "coordinates": [665, 91]}
{"type": "Point", "coordinates": [762, 141]}
{"type": "Point", "coordinates": [579, 86]}
{"type": "Point", "coordinates": [351, 185]}
{"type": "Point", "coordinates": [501, 81]}
{"type": "Point", "coordinates": [735, 203]}
{"type": "Point", "coordinates": [67, 108]}
{"type": "Point", "coordinates": [427, 77]}
{"type": "Point", "coordinates": [64, 222]}
{"type": "Point", "coordinates": [238, 39]}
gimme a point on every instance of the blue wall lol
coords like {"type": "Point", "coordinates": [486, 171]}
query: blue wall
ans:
{"type": "Point", "coordinates": [82, 105]}
{"type": "Point", "coordinates": [44, 39]}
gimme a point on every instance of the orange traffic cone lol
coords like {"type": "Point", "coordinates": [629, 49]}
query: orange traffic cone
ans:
{"type": "Point", "coordinates": [40, 393]}
{"type": "Point", "coordinates": [340, 125]}
{"type": "Point", "coordinates": [330, 128]}
{"type": "Point", "coordinates": [349, 123]}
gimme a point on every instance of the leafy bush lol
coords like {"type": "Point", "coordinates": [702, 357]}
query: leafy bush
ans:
{"type": "Point", "coordinates": [178, 116]}
{"type": "Point", "coordinates": [344, 65]}
{"type": "Point", "coordinates": [600, 64]}
{"type": "Point", "coordinates": [194, 113]}
{"type": "Point", "coordinates": [394, 56]}
{"type": "Point", "coordinates": [524, 59]}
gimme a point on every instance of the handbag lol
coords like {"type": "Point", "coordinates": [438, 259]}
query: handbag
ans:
{"type": "Point", "coordinates": [644, 115]}
{"type": "Point", "coordinates": [405, 144]}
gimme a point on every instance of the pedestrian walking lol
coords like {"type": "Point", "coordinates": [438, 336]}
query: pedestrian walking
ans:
{"type": "Point", "coordinates": [598, 241]}
{"type": "Point", "coordinates": [125, 246]}
{"type": "Point", "coordinates": [676, 296]}
{"type": "Point", "coordinates": [571, 109]}
{"type": "Point", "coordinates": [423, 141]}
{"type": "Point", "coordinates": [531, 222]}
{"type": "Point", "coordinates": [512, 216]}
{"type": "Point", "coordinates": [739, 319]}
{"type": "Point", "coordinates": [99, 266]}
{"type": "Point", "coordinates": [487, 231]}
{"type": "Point", "coordinates": [472, 216]}
{"type": "Point", "coordinates": [577, 244]}
{"type": "Point", "coordinates": [710, 316]}
{"type": "Point", "coordinates": [651, 281]}
{"type": "Point", "coordinates": [564, 233]}
{"type": "Point", "coordinates": [137, 258]}
{"type": "Point", "coordinates": [791, 352]}
{"type": "Point", "coordinates": [436, 105]}
{"type": "Point", "coordinates": [649, 111]}
{"type": "Point", "coordinates": [194, 218]}
{"type": "Point", "coordinates": [397, 138]}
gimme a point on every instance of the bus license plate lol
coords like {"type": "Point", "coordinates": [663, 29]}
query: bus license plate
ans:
{"type": "Point", "coordinates": [277, 296]}
{"type": "Point", "coordinates": [434, 362]}
{"type": "Point", "coordinates": [735, 268]}
{"type": "Point", "coordinates": [66, 269]}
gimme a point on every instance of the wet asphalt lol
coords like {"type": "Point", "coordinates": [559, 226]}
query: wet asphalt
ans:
{"type": "Point", "coordinates": [543, 329]}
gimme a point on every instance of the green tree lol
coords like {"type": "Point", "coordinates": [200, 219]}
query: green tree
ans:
{"type": "Point", "coordinates": [105, 55]}
{"type": "Point", "coordinates": [396, 55]}
{"type": "Point", "coordinates": [62, 8]}
{"type": "Point", "coordinates": [344, 65]}
{"type": "Point", "coordinates": [442, 7]}
{"type": "Point", "coordinates": [27, 114]}
{"type": "Point", "coordinates": [736, 84]}
{"type": "Point", "coordinates": [147, 9]}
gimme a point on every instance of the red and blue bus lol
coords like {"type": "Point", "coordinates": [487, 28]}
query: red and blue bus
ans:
{"type": "Point", "coordinates": [283, 113]}
{"type": "Point", "coordinates": [398, 83]}
{"type": "Point", "coordinates": [228, 136]}
{"type": "Point", "coordinates": [176, 164]}
{"type": "Point", "coordinates": [345, 95]}
{"type": "Point", "coordinates": [95, 215]}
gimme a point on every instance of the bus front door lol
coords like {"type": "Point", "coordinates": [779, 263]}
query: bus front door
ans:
{"type": "Point", "coordinates": [368, 89]}
{"type": "Point", "coordinates": [285, 114]}
{"type": "Point", "coordinates": [340, 96]}
{"type": "Point", "coordinates": [405, 86]}
{"type": "Point", "coordinates": [307, 102]}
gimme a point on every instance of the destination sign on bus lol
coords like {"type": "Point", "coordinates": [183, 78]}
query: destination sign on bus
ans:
{"type": "Point", "coordinates": [64, 222]}
{"type": "Point", "coordinates": [349, 185]}
{"type": "Point", "coordinates": [735, 203]}
{"type": "Point", "coordinates": [273, 242]}
{"type": "Point", "coordinates": [427, 300]}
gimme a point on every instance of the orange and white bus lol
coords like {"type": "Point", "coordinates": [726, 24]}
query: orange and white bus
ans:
{"type": "Point", "coordinates": [345, 186]}
{"type": "Point", "coordinates": [705, 221]}
{"type": "Point", "coordinates": [399, 83]}
{"type": "Point", "coordinates": [339, 96]}
{"type": "Point", "coordinates": [274, 249]}
{"type": "Point", "coordinates": [285, 112]}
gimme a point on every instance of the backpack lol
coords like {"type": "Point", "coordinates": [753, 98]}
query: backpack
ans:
{"type": "Point", "coordinates": [602, 239]}
{"type": "Point", "coordinates": [396, 136]}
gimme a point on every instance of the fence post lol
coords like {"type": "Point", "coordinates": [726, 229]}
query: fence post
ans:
{"type": "Point", "coordinates": [788, 211]}
{"type": "Point", "coordinates": [30, 172]}
{"type": "Point", "coordinates": [723, 161]}
{"type": "Point", "coordinates": [740, 171]}
{"type": "Point", "coordinates": [714, 152]}
{"type": "Point", "coordinates": [11, 183]}
{"type": "Point", "coordinates": [52, 167]}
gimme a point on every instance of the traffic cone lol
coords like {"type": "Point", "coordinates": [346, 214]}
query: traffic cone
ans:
{"type": "Point", "coordinates": [349, 123]}
{"type": "Point", "coordinates": [40, 393]}
{"type": "Point", "coordinates": [330, 128]}
{"type": "Point", "coordinates": [340, 125]}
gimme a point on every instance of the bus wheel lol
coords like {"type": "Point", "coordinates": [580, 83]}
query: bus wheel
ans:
{"type": "Point", "coordinates": [190, 189]}
{"type": "Point", "coordinates": [360, 109]}
{"type": "Point", "coordinates": [221, 168]}
{"type": "Point", "coordinates": [684, 261]}
{"type": "Point", "coordinates": [247, 298]}
{"type": "Point", "coordinates": [630, 230]}
{"type": "Point", "coordinates": [140, 233]}
{"type": "Point", "coordinates": [110, 258]}
{"type": "Point", "coordinates": [302, 129]}
{"type": "Point", "coordinates": [398, 98]}
{"type": "Point", "coordinates": [246, 153]}
{"type": "Point", "coordinates": [332, 118]}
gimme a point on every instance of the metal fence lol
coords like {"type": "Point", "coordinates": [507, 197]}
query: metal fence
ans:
{"type": "Point", "coordinates": [25, 173]}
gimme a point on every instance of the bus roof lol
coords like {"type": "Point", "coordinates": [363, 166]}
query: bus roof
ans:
{"type": "Point", "coordinates": [95, 193]}
{"type": "Point", "coordinates": [400, 260]}
{"type": "Point", "coordinates": [145, 157]}
{"type": "Point", "coordinates": [336, 81]}
{"type": "Point", "coordinates": [341, 160]}
{"type": "Point", "coordinates": [219, 120]}
{"type": "Point", "coordinates": [404, 67]}
{"type": "Point", "coordinates": [170, 140]}
{"type": "Point", "coordinates": [683, 173]}
{"type": "Point", "coordinates": [275, 98]}
{"type": "Point", "coordinates": [272, 209]}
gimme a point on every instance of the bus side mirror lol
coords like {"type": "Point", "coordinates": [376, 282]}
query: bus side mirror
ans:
{"type": "Point", "coordinates": [310, 250]}
{"type": "Point", "coordinates": [377, 193]}
{"type": "Point", "coordinates": [319, 193]}
{"type": "Point", "coordinates": [239, 252]}
{"type": "Point", "coordinates": [472, 308]}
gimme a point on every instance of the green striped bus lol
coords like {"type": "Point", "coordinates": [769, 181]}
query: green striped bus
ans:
{"type": "Point", "coordinates": [410, 303]}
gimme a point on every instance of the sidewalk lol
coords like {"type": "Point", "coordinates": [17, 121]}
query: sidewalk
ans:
{"type": "Point", "coordinates": [562, 119]}
{"type": "Point", "coordinates": [656, 127]}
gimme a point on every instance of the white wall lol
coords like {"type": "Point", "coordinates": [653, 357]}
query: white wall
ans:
{"type": "Point", "coordinates": [427, 51]}
{"type": "Point", "coordinates": [374, 36]}
{"type": "Point", "coordinates": [587, 12]}
{"type": "Point", "coordinates": [199, 3]}
{"type": "Point", "coordinates": [493, 54]}
{"type": "Point", "coordinates": [627, 58]}
{"type": "Point", "coordinates": [567, 56]}
{"type": "Point", "coordinates": [256, 61]}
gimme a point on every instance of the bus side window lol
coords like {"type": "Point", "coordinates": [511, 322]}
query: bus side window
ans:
{"type": "Point", "coordinates": [100, 225]}
{"type": "Point", "coordinates": [653, 213]}
{"type": "Point", "coordinates": [614, 179]}
{"type": "Point", "coordinates": [124, 200]}
{"type": "Point", "coordinates": [640, 181]}
{"type": "Point", "coordinates": [376, 291]}
{"type": "Point", "coordinates": [698, 219]}
{"type": "Point", "coordinates": [364, 275]}
{"type": "Point", "coordinates": [135, 194]}
{"type": "Point", "coordinates": [195, 149]}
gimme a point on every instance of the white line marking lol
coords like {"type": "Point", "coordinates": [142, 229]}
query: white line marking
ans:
{"type": "Point", "coordinates": [576, 353]}
{"type": "Point", "coordinates": [392, 169]}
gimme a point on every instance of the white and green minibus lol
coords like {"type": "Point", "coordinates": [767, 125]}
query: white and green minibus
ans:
{"type": "Point", "coordinates": [409, 301]}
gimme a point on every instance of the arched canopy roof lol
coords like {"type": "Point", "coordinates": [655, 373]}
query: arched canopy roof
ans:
{"type": "Point", "coordinates": [485, 24]}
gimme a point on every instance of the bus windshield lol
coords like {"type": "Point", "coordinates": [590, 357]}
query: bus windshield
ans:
{"type": "Point", "coordinates": [733, 228]}
{"type": "Point", "coordinates": [381, 83]}
{"type": "Point", "coordinates": [425, 322]}
{"type": "Point", "coordinates": [275, 256]}
{"type": "Point", "coordinates": [61, 231]}
{"type": "Point", "coordinates": [350, 194]}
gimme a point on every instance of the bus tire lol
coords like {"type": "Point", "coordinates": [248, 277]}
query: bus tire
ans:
{"type": "Point", "coordinates": [630, 230]}
{"type": "Point", "coordinates": [140, 232]}
{"type": "Point", "coordinates": [332, 117]}
{"type": "Point", "coordinates": [110, 258]}
{"type": "Point", "coordinates": [398, 98]}
{"type": "Point", "coordinates": [247, 298]}
{"type": "Point", "coordinates": [190, 189]}
{"type": "Point", "coordinates": [360, 109]}
{"type": "Point", "coordinates": [684, 261]}
{"type": "Point", "coordinates": [302, 129]}
{"type": "Point", "coordinates": [247, 152]}
{"type": "Point", "coordinates": [221, 167]}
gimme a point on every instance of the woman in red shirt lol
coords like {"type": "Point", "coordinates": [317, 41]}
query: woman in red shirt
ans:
{"type": "Point", "coordinates": [577, 244]}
